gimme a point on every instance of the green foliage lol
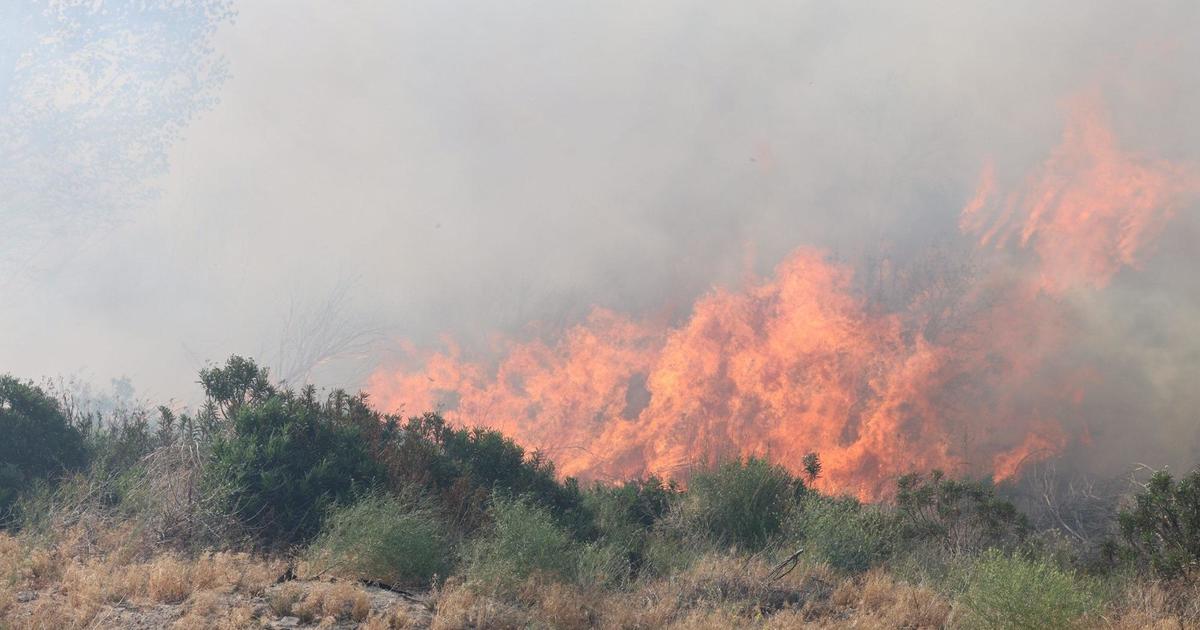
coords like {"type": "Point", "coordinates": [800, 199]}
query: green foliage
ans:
{"type": "Point", "coordinates": [239, 382]}
{"type": "Point", "coordinates": [625, 515]}
{"type": "Point", "coordinates": [637, 503]}
{"type": "Point", "coordinates": [960, 515]}
{"type": "Point", "coordinates": [37, 440]}
{"type": "Point", "coordinates": [844, 533]}
{"type": "Point", "coordinates": [117, 444]}
{"type": "Point", "coordinates": [743, 502]}
{"type": "Point", "coordinates": [668, 551]}
{"type": "Point", "coordinates": [812, 466]}
{"type": "Point", "coordinates": [524, 540]}
{"type": "Point", "coordinates": [604, 562]}
{"type": "Point", "coordinates": [1013, 592]}
{"type": "Point", "coordinates": [1162, 528]}
{"type": "Point", "coordinates": [395, 540]}
{"type": "Point", "coordinates": [465, 467]}
{"type": "Point", "coordinates": [286, 460]}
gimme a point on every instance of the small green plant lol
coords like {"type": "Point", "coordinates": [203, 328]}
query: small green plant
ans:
{"type": "Point", "coordinates": [1014, 592]}
{"type": "Point", "coordinates": [843, 532]}
{"type": "Point", "coordinates": [1162, 528]}
{"type": "Point", "coordinates": [524, 540]}
{"type": "Point", "coordinates": [743, 502]}
{"type": "Point", "coordinates": [386, 538]}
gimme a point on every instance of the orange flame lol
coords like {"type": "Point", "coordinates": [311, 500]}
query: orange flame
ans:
{"type": "Point", "coordinates": [801, 362]}
{"type": "Point", "coordinates": [1090, 210]}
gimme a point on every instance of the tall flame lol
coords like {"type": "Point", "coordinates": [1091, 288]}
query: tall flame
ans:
{"type": "Point", "coordinates": [800, 361]}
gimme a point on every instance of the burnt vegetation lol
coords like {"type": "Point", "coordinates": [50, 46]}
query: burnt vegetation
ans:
{"type": "Point", "coordinates": [332, 488]}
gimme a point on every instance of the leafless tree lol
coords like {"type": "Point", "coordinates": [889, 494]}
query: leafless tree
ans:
{"type": "Point", "coordinates": [316, 334]}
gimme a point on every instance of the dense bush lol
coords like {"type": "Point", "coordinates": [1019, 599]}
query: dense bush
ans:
{"type": "Point", "coordinates": [382, 537]}
{"type": "Point", "coordinates": [1162, 527]}
{"type": "Point", "coordinates": [743, 502]}
{"type": "Point", "coordinates": [624, 516]}
{"type": "Point", "coordinates": [638, 503]}
{"type": "Point", "coordinates": [844, 533]}
{"type": "Point", "coordinates": [961, 515]}
{"type": "Point", "coordinates": [285, 457]}
{"type": "Point", "coordinates": [37, 440]}
{"type": "Point", "coordinates": [286, 463]}
{"type": "Point", "coordinates": [465, 467]}
{"type": "Point", "coordinates": [1014, 592]}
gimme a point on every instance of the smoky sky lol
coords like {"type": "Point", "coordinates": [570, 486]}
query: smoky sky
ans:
{"type": "Point", "coordinates": [310, 182]}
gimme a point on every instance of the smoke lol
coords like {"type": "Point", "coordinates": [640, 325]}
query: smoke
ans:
{"type": "Point", "coordinates": [414, 171]}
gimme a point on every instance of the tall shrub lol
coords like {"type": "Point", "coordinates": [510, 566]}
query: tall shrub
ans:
{"type": "Point", "coordinates": [1015, 592]}
{"type": "Point", "coordinates": [1162, 527]}
{"type": "Point", "coordinates": [743, 502]}
{"type": "Point", "coordinates": [285, 462]}
{"type": "Point", "coordinates": [37, 440]}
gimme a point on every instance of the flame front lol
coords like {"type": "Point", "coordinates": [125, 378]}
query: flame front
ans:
{"type": "Point", "coordinates": [958, 379]}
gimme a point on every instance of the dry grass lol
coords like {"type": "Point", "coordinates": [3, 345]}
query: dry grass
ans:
{"type": "Point", "coordinates": [342, 601]}
{"type": "Point", "coordinates": [88, 579]}
{"type": "Point", "coordinates": [718, 591]}
{"type": "Point", "coordinates": [79, 576]}
{"type": "Point", "coordinates": [396, 619]}
{"type": "Point", "coordinates": [214, 610]}
{"type": "Point", "coordinates": [459, 606]}
{"type": "Point", "coordinates": [284, 599]}
{"type": "Point", "coordinates": [1155, 604]}
{"type": "Point", "coordinates": [169, 580]}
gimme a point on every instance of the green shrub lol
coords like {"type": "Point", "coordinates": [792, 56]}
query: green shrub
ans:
{"type": "Point", "coordinates": [524, 540]}
{"type": "Point", "coordinates": [382, 537]}
{"type": "Point", "coordinates": [625, 516]}
{"type": "Point", "coordinates": [286, 459]}
{"type": "Point", "coordinates": [668, 551]}
{"type": "Point", "coordinates": [1013, 592]}
{"type": "Point", "coordinates": [1162, 528]}
{"type": "Point", "coordinates": [605, 563]}
{"type": "Point", "coordinates": [116, 444]}
{"type": "Point", "coordinates": [742, 502]}
{"type": "Point", "coordinates": [466, 466]}
{"type": "Point", "coordinates": [37, 440]}
{"type": "Point", "coordinates": [631, 505]}
{"type": "Point", "coordinates": [961, 515]}
{"type": "Point", "coordinates": [844, 533]}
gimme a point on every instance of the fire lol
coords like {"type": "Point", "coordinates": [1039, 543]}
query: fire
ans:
{"type": "Point", "coordinates": [800, 361]}
{"type": "Point", "coordinates": [1090, 210]}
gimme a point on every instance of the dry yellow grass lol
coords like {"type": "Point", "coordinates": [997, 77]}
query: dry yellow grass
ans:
{"type": "Point", "coordinates": [168, 580]}
{"type": "Point", "coordinates": [283, 599]}
{"type": "Point", "coordinates": [1156, 605]}
{"type": "Point", "coordinates": [565, 606]}
{"type": "Point", "coordinates": [342, 601]}
{"type": "Point", "coordinates": [459, 606]}
{"type": "Point", "coordinates": [77, 578]}
{"type": "Point", "coordinates": [396, 619]}
{"type": "Point", "coordinates": [210, 610]}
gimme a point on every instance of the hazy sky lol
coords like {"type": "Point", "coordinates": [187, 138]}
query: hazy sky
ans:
{"type": "Point", "coordinates": [177, 184]}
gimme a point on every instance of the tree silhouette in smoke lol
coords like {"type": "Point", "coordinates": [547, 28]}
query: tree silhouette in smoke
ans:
{"type": "Point", "coordinates": [92, 95]}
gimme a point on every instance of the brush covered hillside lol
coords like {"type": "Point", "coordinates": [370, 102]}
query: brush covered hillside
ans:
{"type": "Point", "coordinates": [273, 507]}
